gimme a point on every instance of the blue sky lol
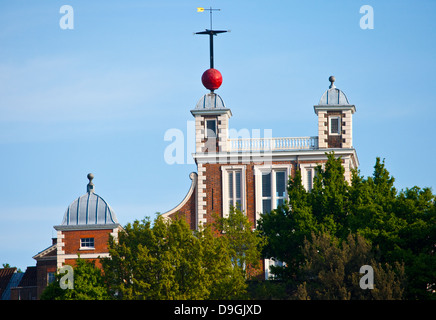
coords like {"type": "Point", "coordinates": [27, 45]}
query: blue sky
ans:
{"type": "Point", "coordinates": [99, 98]}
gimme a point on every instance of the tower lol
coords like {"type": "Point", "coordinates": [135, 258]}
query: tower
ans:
{"type": "Point", "coordinates": [252, 173]}
{"type": "Point", "coordinates": [211, 130]}
{"type": "Point", "coordinates": [85, 229]}
{"type": "Point", "coordinates": [335, 122]}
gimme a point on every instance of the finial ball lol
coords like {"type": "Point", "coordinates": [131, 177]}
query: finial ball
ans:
{"type": "Point", "coordinates": [212, 79]}
{"type": "Point", "coordinates": [332, 79]}
{"type": "Point", "coordinates": [90, 176]}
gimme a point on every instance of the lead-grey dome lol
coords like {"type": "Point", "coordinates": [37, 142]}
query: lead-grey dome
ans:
{"type": "Point", "coordinates": [333, 96]}
{"type": "Point", "coordinates": [89, 210]}
{"type": "Point", "coordinates": [210, 101]}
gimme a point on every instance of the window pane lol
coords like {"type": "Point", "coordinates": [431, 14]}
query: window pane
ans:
{"type": "Point", "coordinates": [280, 183]}
{"type": "Point", "coordinates": [231, 185]}
{"type": "Point", "coordinates": [238, 204]}
{"type": "Point", "coordinates": [334, 122]}
{"type": "Point", "coordinates": [266, 185]}
{"type": "Point", "coordinates": [309, 179]}
{"type": "Point", "coordinates": [238, 184]}
{"type": "Point", "coordinates": [266, 206]}
{"type": "Point", "coordinates": [87, 242]}
{"type": "Point", "coordinates": [50, 277]}
{"type": "Point", "coordinates": [211, 128]}
{"type": "Point", "coordinates": [280, 201]}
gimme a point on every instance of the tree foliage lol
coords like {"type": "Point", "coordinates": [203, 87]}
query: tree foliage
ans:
{"type": "Point", "coordinates": [167, 260]}
{"type": "Point", "coordinates": [244, 243]}
{"type": "Point", "coordinates": [88, 284]}
{"type": "Point", "coordinates": [322, 237]}
{"type": "Point", "coordinates": [331, 271]}
{"type": "Point", "coordinates": [400, 226]}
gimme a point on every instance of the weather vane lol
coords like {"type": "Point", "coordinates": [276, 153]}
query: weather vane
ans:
{"type": "Point", "coordinates": [210, 11]}
{"type": "Point", "coordinates": [210, 32]}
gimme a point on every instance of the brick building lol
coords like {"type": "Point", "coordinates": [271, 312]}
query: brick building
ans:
{"type": "Point", "coordinates": [85, 229]}
{"type": "Point", "coordinates": [88, 222]}
{"type": "Point", "coordinates": [252, 172]}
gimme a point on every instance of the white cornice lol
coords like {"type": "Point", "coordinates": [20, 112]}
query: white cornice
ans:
{"type": "Point", "coordinates": [291, 155]}
{"type": "Point", "coordinates": [211, 112]}
{"type": "Point", "coordinates": [318, 108]}
{"type": "Point", "coordinates": [87, 227]}
{"type": "Point", "coordinates": [42, 255]}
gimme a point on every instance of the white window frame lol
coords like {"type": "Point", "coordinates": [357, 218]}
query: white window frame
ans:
{"type": "Point", "coordinates": [309, 166]}
{"type": "Point", "coordinates": [339, 125]}
{"type": "Point", "coordinates": [86, 247]}
{"type": "Point", "coordinates": [269, 275]}
{"type": "Point", "coordinates": [258, 171]}
{"type": "Point", "coordinates": [304, 168]}
{"type": "Point", "coordinates": [225, 189]}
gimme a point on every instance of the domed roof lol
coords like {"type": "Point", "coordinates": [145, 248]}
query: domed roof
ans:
{"type": "Point", "coordinates": [89, 210]}
{"type": "Point", "coordinates": [333, 96]}
{"type": "Point", "coordinates": [210, 101]}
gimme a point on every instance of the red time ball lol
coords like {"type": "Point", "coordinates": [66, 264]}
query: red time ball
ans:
{"type": "Point", "coordinates": [212, 79]}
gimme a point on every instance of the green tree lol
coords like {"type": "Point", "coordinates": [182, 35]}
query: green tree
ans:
{"type": "Point", "coordinates": [401, 225]}
{"type": "Point", "coordinates": [225, 280]}
{"type": "Point", "coordinates": [331, 271]}
{"type": "Point", "coordinates": [167, 260]}
{"type": "Point", "coordinates": [88, 284]}
{"type": "Point", "coordinates": [7, 265]}
{"type": "Point", "coordinates": [329, 197]}
{"type": "Point", "coordinates": [286, 228]}
{"type": "Point", "coordinates": [244, 243]}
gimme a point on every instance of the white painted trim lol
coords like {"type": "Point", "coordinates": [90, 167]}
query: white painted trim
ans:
{"type": "Point", "coordinates": [268, 263]}
{"type": "Point", "coordinates": [41, 255]}
{"type": "Point", "coordinates": [342, 108]}
{"type": "Point", "coordinates": [194, 177]}
{"type": "Point", "coordinates": [86, 227]}
{"type": "Point", "coordinates": [308, 166]}
{"type": "Point", "coordinates": [211, 112]}
{"type": "Point", "coordinates": [258, 170]}
{"type": "Point", "coordinates": [86, 256]}
{"type": "Point", "coordinates": [313, 155]}
{"type": "Point", "coordinates": [330, 118]}
{"type": "Point", "coordinates": [225, 187]}
{"type": "Point", "coordinates": [201, 194]}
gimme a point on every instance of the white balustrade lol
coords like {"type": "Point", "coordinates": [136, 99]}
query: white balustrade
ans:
{"type": "Point", "coordinates": [272, 144]}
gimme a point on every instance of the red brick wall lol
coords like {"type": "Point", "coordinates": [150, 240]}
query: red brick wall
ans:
{"type": "Point", "coordinates": [72, 240]}
{"type": "Point", "coordinates": [43, 267]}
{"type": "Point", "coordinates": [72, 262]}
{"type": "Point", "coordinates": [188, 210]}
{"type": "Point", "coordinates": [214, 191]}
{"type": "Point", "coordinates": [214, 188]}
{"type": "Point", "coordinates": [334, 141]}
